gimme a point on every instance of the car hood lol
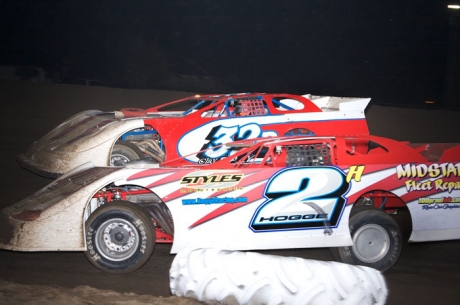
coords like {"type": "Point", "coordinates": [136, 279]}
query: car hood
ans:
{"type": "Point", "coordinates": [87, 136]}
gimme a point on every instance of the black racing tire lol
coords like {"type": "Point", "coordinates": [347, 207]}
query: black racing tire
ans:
{"type": "Point", "coordinates": [377, 240]}
{"type": "Point", "coordinates": [120, 237]}
{"type": "Point", "coordinates": [123, 152]}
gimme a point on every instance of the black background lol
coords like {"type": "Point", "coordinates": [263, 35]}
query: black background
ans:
{"type": "Point", "coordinates": [397, 52]}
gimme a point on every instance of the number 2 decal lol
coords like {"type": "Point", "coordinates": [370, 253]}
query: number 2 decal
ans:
{"type": "Point", "coordinates": [301, 198]}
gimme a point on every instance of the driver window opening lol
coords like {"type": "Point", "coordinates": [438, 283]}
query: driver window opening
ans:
{"type": "Point", "coordinates": [309, 155]}
{"type": "Point", "coordinates": [287, 104]}
{"type": "Point", "coordinates": [363, 147]}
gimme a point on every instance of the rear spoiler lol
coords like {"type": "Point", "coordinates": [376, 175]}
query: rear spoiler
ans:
{"type": "Point", "coordinates": [336, 103]}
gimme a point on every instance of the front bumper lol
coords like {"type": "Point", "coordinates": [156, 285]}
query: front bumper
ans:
{"type": "Point", "coordinates": [33, 167]}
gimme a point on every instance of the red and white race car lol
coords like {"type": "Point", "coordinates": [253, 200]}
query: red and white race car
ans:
{"type": "Point", "coordinates": [289, 192]}
{"type": "Point", "coordinates": [182, 127]}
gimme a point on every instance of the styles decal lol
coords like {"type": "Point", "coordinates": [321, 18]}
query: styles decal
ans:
{"type": "Point", "coordinates": [212, 181]}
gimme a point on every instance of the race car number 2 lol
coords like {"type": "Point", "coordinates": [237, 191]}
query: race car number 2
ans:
{"type": "Point", "coordinates": [302, 198]}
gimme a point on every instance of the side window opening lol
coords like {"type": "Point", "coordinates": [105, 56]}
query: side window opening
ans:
{"type": "Point", "coordinates": [285, 104]}
{"type": "Point", "coordinates": [308, 155]}
{"type": "Point", "coordinates": [262, 156]}
{"type": "Point", "coordinates": [363, 147]}
{"type": "Point", "coordinates": [216, 111]}
{"type": "Point", "coordinates": [376, 148]}
{"type": "Point", "coordinates": [255, 156]}
{"type": "Point", "coordinates": [314, 154]}
{"type": "Point", "coordinates": [249, 108]}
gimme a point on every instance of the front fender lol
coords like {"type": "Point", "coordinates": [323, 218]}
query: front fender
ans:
{"type": "Point", "coordinates": [85, 137]}
{"type": "Point", "coordinates": [52, 219]}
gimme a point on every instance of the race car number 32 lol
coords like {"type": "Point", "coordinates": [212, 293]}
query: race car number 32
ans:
{"type": "Point", "coordinates": [302, 198]}
{"type": "Point", "coordinates": [223, 134]}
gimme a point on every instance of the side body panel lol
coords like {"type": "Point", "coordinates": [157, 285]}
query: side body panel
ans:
{"type": "Point", "coordinates": [252, 208]}
{"type": "Point", "coordinates": [191, 134]}
{"type": "Point", "coordinates": [244, 208]}
{"type": "Point", "coordinates": [431, 191]}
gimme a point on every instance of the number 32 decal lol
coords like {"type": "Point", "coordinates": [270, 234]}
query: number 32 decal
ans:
{"type": "Point", "coordinates": [223, 134]}
{"type": "Point", "coordinates": [302, 198]}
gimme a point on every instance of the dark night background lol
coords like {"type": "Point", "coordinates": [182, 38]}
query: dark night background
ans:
{"type": "Point", "coordinates": [397, 52]}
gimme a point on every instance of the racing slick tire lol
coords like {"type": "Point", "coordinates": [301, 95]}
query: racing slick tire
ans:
{"type": "Point", "coordinates": [377, 240]}
{"type": "Point", "coordinates": [123, 152]}
{"type": "Point", "coordinates": [233, 277]}
{"type": "Point", "coordinates": [120, 237]}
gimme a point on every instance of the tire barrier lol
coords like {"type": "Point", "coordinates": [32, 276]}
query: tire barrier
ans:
{"type": "Point", "coordinates": [233, 277]}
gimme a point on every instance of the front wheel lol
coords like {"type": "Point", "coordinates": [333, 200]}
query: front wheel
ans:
{"type": "Point", "coordinates": [123, 152]}
{"type": "Point", "coordinates": [377, 241]}
{"type": "Point", "coordinates": [120, 237]}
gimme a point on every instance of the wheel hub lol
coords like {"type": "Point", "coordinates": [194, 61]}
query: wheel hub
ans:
{"type": "Point", "coordinates": [119, 236]}
{"type": "Point", "coordinates": [117, 239]}
{"type": "Point", "coordinates": [371, 243]}
{"type": "Point", "coordinates": [118, 160]}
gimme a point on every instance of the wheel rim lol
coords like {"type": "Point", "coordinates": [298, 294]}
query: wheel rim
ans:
{"type": "Point", "coordinates": [117, 239]}
{"type": "Point", "coordinates": [371, 243]}
{"type": "Point", "coordinates": [118, 160]}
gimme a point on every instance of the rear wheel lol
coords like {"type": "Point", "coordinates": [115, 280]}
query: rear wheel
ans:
{"type": "Point", "coordinates": [123, 152]}
{"type": "Point", "coordinates": [120, 237]}
{"type": "Point", "coordinates": [377, 240]}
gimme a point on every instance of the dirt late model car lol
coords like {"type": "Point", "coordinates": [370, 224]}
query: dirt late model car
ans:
{"type": "Point", "coordinates": [182, 127]}
{"type": "Point", "coordinates": [288, 192]}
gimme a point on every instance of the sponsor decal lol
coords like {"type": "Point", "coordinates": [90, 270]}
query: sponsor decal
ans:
{"type": "Point", "coordinates": [218, 189]}
{"type": "Point", "coordinates": [214, 200]}
{"type": "Point", "coordinates": [441, 206]}
{"type": "Point", "coordinates": [438, 173]}
{"type": "Point", "coordinates": [207, 160]}
{"type": "Point", "coordinates": [444, 203]}
{"type": "Point", "coordinates": [438, 200]}
{"type": "Point", "coordinates": [208, 181]}
{"type": "Point", "coordinates": [204, 180]}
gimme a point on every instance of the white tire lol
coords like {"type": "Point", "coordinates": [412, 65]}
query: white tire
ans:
{"type": "Point", "coordinates": [231, 277]}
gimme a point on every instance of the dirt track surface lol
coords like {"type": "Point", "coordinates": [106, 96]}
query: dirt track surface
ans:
{"type": "Point", "coordinates": [426, 273]}
{"type": "Point", "coordinates": [16, 294]}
